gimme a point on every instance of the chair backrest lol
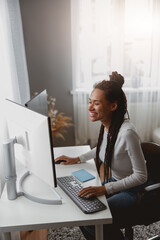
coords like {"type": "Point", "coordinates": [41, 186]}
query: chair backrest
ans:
{"type": "Point", "coordinates": [151, 153]}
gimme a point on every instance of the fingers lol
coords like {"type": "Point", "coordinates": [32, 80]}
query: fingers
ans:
{"type": "Point", "coordinates": [68, 160]}
{"type": "Point", "coordinates": [87, 192]}
{"type": "Point", "coordinates": [60, 158]}
{"type": "Point", "coordinates": [65, 163]}
{"type": "Point", "coordinates": [92, 191]}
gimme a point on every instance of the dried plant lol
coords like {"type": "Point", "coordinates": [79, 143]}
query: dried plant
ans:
{"type": "Point", "coordinates": [59, 122]}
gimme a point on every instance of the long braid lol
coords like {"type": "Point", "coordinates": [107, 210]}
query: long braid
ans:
{"type": "Point", "coordinates": [100, 138]}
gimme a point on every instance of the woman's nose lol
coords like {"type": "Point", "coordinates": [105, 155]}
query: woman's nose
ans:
{"type": "Point", "coordinates": [90, 107]}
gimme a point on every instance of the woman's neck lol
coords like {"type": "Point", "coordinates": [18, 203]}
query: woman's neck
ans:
{"type": "Point", "coordinates": [106, 126]}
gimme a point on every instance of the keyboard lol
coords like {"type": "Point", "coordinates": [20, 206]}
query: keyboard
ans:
{"type": "Point", "coordinates": [71, 186]}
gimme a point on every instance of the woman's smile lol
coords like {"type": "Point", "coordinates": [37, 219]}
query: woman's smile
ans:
{"type": "Point", "coordinates": [93, 114]}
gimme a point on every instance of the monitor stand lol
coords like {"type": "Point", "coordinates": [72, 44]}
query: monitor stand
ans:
{"type": "Point", "coordinates": [11, 178]}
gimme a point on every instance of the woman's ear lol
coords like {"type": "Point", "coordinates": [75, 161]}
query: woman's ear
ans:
{"type": "Point", "coordinates": [114, 106]}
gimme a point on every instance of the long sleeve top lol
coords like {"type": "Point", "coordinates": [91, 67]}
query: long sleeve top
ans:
{"type": "Point", "coordinates": [128, 166]}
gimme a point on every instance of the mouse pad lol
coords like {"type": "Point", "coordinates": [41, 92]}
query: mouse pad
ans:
{"type": "Point", "coordinates": [83, 175]}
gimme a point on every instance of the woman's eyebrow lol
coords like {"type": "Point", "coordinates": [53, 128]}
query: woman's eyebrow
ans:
{"type": "Point", "coordinates": [95, 100]}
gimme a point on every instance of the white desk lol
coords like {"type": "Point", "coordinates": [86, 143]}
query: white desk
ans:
{"type": "Point", "coordinates": [23, 214]}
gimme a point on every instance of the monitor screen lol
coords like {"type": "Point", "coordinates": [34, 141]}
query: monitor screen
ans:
{"type": "Point", "coordinates": [33, 133]}
{"type": "Point", "coordinates": [39, 103]}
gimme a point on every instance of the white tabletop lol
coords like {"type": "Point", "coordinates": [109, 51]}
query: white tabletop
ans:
{"type": "Point", "coordinates": [23, 214]}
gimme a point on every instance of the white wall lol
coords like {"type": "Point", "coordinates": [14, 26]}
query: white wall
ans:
{"type": "Point", "coordinates": [47, 35]}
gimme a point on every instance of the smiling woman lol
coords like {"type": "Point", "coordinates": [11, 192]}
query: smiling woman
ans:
{"type": "Point", "coordinates": [119, 151]}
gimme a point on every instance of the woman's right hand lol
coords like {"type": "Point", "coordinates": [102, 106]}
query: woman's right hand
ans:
{"type": "Point", "coordinates": [68, 160]}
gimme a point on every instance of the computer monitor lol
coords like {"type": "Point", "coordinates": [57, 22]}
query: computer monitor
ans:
{"type": "Point", "coordinates": [39, 103]}
{"type": "Point", "coordinates": [32, 131]}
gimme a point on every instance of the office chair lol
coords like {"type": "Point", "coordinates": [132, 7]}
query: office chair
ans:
{"type": "Point", "coordinates": [147, 210]}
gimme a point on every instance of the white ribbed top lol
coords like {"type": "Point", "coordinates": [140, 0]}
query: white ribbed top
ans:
{"type": "Point", "coordinates": [128, 164]}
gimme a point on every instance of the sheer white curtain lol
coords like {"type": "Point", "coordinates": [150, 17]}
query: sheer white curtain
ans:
{"type": "Point", "coordinates": [13, 70]}
{"type": "Point", "coordinates": [123, 36]}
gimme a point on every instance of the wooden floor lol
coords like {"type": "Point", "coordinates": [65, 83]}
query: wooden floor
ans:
{"type": "Point", "coordinates": [34, 235]}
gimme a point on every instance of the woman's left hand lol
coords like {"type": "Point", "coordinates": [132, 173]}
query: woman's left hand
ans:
{"type": "Point", "coordinates": [92, 191]}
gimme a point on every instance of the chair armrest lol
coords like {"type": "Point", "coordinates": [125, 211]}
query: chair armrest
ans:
{"type": "Point", "coordinates": [152, 187]}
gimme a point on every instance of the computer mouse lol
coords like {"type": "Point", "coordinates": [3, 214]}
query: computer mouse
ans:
{"type": "Point", "coordinates": [59, 161]}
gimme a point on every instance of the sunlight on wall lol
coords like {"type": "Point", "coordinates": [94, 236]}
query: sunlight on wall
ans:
{"type": "Point", "coordinates": [116, 35]}
{"type": "Point", "coordinates": [138, 21]}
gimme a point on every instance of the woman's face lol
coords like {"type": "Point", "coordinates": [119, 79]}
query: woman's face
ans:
{"type": "Point", "coordinates": [100, 108]}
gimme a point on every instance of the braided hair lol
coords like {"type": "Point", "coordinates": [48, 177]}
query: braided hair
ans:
{"type": "Point", "coordinates": [113, 93]}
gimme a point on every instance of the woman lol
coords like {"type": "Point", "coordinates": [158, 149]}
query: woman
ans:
{"type": "Point", "coordinates": [118, 151]}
